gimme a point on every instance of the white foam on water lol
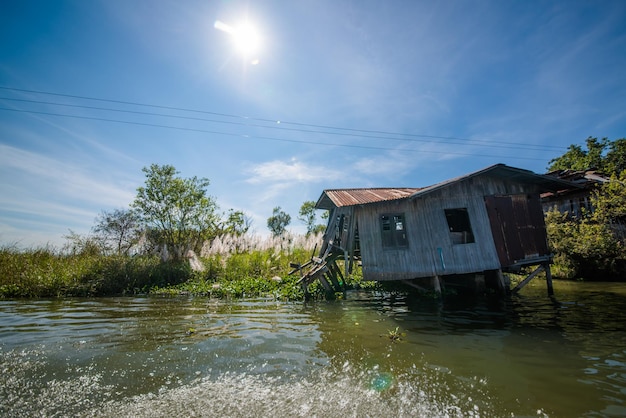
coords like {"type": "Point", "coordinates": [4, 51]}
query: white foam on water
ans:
{"type": "Point", "coordinates": [29, 388]}
{"type": "Point", "coordinates": [352, 390]}
{"type": "Point", "coordinates": [324, 394]}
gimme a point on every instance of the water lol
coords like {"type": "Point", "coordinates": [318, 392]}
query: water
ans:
{"type": "Point", "coordinates": [526, 356]}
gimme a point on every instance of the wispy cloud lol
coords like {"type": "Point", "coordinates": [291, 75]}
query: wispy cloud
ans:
{"type": "Point", "coordinates": [61, 180]}
{"type": "Point", "coordinates": [290, 172]}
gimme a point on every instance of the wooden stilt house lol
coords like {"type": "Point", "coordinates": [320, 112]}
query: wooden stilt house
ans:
{"type": "Point", "coordinates": [477, 225]}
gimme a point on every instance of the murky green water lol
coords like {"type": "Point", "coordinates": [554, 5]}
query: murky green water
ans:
{"type": "Point", "coordinates": [527, 356]}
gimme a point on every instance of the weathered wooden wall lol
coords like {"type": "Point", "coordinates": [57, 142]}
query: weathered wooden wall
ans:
{"type": "Point", "coordinates": [428, 235]}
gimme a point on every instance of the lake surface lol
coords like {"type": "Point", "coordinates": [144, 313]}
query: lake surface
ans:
{"type": "Point", "coordinates": [526, 356]}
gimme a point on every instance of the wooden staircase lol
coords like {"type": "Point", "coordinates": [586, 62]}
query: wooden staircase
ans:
{"type": "Point", "coordinates": [324, 269]}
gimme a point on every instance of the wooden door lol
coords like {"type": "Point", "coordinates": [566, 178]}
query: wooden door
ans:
{"type": "Point", "coordinates": [518, 227]}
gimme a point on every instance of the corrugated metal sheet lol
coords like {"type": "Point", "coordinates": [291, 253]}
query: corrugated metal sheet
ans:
{"type": "Point", "coordinates": [507, 173]}
{"type": "Point", "coordinates": [350, 197]}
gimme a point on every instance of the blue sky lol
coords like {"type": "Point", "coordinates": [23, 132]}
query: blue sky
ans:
{"type": "Point", "coordinates": [337, 94]}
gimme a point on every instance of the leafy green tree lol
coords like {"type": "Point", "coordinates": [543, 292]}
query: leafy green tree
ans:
{"type": "Point", "coordinates": [609, 201]}
{"type": "Point", "coordinates": [574, 159]}
{"type": "Point", "coordinates": [603, 155]}
{"type": "Point", "coordinates": [616, 157]}
{"type": "Point", "coordinates": [237, 223]}
{"type": "Point", "coordinates": [177, 210]}
{"type": "Point", "coordinates": [278, 222]}
{"type": "Point", "coordinates": [593, 246]}
{"type": "Point", "coordinates": [119, 230]}
{"type": "Point", "coordinates": [309, 217]}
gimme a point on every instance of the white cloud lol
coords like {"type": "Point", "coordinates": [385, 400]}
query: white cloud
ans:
{"type": "Point", "coordinates": [394, 164]}
{"type": "Point", "coordinates": [284, 174]}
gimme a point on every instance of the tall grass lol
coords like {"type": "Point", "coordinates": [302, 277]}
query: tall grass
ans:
{"type": "Point", "coordinates": [249, 266]}
{"type": "Point", "coordinates": [231, 266]}
{"type": "Point", "coordinates": [226, 245]}
{"type": "Point", "coordinates": [46, 272]}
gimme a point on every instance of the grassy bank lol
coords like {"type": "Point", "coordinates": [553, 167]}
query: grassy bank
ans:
{"type": "Point", "coordinates": [46, 272]}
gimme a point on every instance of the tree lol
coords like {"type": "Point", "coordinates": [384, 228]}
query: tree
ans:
{"type": "Point", "coordinates": [594, 244]}
{"type": "Point", "coordinates": [277, 223]}
{"type": "Point", "coordinates": [237, 223]}
{"type": "Point", "coordinates": [603, 155]}
{"type": "Point", "coordinates": [85, 245]}
{"type": "Point", "coordinates": [616, 157]}
{"type": "Point", "coordinates": [309, 217]}
{"type": "Point", "coordinates": [177, 210]}
{"type": "Point", "coordinates": [118, 230]}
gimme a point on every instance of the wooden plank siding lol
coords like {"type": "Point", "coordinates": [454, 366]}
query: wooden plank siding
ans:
{"type": "Point", "coordinates": [428, 235]}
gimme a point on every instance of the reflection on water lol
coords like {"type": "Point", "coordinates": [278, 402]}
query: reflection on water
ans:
{"type": "Point", "coordinates": [528, 355]}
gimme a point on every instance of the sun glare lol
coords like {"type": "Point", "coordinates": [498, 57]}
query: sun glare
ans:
{"type": "Point", "coordinates": [246, 39]}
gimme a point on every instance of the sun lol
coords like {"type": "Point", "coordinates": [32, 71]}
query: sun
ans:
{"type": "Point", "coordinates": [246, 39]}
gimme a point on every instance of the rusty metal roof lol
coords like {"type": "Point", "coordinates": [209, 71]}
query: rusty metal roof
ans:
{"type": "Point", "coordinates": [350, 197]}
{"type": "Point", "coordinates": [506, 172]}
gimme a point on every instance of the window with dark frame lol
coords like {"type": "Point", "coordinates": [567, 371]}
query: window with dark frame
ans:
{"type": "Point", "coordinates": [459, 226]}
{"type": "Point", "coordinates": [393, 230]}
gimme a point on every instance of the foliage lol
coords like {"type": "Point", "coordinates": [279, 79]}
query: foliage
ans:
{"type": "Point", "coordinates": [177, 210]}
{"type": "Point", "coordinates": [395, 335]}
{"type": "Point", "coordinates": [602, 155]}
{"type": "Point", "coordinates": [237, 223]}
{"type": "Point", "coordinates": [278, 222]}
{"type": "Point", "coordinates": [308, 216]}
{"type": "Point", "coordinates": [45, 272]}
{"type": "Point", "coordinates": [609, 201]}
{"type": "Point", "coordinates": [592, 246]}
{"type": "Point", "coordinates": [83, 244]}
{"type": "Point", "coordinates": [261, 271]}
{"type": "Point", "coordinates": [118, 230]}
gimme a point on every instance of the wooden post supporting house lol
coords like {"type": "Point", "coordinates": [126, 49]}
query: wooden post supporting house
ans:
{"type": "Point", "coordinates": [544, 267]}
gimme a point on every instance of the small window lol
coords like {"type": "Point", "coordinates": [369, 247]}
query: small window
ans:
{"type": "Point", "coordinates": [459, 226]}
{"type": "Point", "coordinates": [393, 230]}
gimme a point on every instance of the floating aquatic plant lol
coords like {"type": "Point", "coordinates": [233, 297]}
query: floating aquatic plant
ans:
{"type": "Point", "coordinates": [395, 335]}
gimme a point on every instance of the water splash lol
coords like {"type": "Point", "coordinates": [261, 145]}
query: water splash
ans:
{"type": "Point", "coordinates": [349, 390]}
{"type": "Point", "coordinates": [323, 395]}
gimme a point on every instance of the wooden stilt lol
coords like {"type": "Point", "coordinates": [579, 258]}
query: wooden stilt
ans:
{"type": "Point", "coordinates": [332, 275]}
{"type": "Point", "coordinates": [325, 283]}
{"type": "Point", "coordinates": [549, 279]}
{"type": "Point", "coordinates": [504, 280]}
{"type": "Point", "coordinates": [340, 276]}
{"type": "Point", "coordinates": [437, 285]}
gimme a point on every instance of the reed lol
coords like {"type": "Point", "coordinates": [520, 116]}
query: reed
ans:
{"type": "Point", "coordinates": [229, 267]}
{"type": "Point", "coordinates": [47, 272]}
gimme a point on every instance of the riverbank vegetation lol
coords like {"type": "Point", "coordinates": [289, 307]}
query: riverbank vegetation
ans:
{"type": "Point", "coordinates": [230, 267]}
